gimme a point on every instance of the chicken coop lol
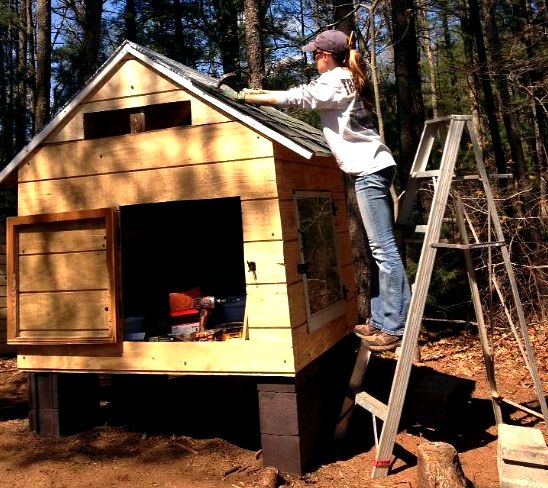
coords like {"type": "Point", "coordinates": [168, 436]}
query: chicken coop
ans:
{"type": "Point", "coordinates": [164, 228]}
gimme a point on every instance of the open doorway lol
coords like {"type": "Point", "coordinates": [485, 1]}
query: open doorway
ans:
{"type": "Point", "coordinates": [173, 247]}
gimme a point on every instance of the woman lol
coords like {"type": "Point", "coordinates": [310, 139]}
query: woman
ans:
{"type": "Point", "coordinates": [342, 95]}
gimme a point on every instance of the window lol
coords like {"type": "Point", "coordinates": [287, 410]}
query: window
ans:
{"type": "Point", "coordinates": [136, 119]}
{"type": "Point", "coordinates": [320, 266]}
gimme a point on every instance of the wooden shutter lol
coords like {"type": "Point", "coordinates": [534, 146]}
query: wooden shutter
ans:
{"type": "Point", "coordinates": [62, 280]}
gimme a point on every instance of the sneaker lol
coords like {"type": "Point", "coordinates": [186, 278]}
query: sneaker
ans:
{"type": "Point", "coordinates": [382, 342]}
{"type": "Point", "coordinates": [365, 330]}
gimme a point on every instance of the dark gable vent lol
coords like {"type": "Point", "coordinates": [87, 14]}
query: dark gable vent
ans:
{"type": "Point", "coordinates": [137, 119]}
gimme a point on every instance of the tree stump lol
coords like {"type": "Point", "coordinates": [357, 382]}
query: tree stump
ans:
{"type": "Point", "coordinates": [439, 466]}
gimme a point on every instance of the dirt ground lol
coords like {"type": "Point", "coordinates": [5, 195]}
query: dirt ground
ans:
{"type": "Point", "coordinates": [126, 456]}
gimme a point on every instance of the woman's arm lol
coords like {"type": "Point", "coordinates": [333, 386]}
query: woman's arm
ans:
{"type": "Point", "coordinates": [261, 97]}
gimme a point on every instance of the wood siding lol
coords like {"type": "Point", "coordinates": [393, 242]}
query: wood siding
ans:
{"type": "Point", "coordinates": [212, 158]}
{"type": "Point", "coordinates": [4, 348]}
{"type": "Point", "coordinates": [62, 278]}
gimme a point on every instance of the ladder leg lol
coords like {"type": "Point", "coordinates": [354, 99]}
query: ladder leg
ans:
{"type": "Point", "coordinates": [530, 355]}
{"type": "Point", "coordinates": [418, 301]}
{"type": "Point", "coordinates": [485, 346]}
{"type": "Point", "coordinates": [493, 214]}
{"type": "Point", "coordinates": [397, 394]}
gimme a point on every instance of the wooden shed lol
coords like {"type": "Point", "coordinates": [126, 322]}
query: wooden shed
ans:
{"type": "Point", "coordinates": [151, 183]}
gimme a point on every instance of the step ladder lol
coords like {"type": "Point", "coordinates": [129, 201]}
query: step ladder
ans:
{"type": "Point", "coordinates": [448, 131]}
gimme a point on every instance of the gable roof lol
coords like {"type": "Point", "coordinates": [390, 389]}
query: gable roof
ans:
{"type": "Point", "coordinates": [292, 133]}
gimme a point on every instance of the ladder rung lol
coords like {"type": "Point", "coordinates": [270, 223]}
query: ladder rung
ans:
{"type": "Point", "coordinates": [474, 245]}
{"type": "Point", "coordinates": [431, 173]}
{"type": "Point", "coordinates": [478, 177]}
{"type": "Point", "coordinates": [434, 173]}
{"type": "Point", "coordinates": [371, 404]}
{"type": "Point", "coordinates": [412, 229]}
{"type": "Point", "coordinates": [417, 229]}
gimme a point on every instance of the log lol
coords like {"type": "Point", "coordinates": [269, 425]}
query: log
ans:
{"type": "Point", "coordinates": [439, 466]}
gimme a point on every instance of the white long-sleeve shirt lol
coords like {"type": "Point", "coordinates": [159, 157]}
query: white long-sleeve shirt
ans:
{"type": "Point", "coordinates": [346, 124]}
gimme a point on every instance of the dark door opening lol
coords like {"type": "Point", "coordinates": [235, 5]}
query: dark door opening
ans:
{"type": "Point", "coordinates": [177, 246]}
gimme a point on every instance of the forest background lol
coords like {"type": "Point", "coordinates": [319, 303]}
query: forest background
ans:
{"type": "Point", "coordinates": [426, 58]}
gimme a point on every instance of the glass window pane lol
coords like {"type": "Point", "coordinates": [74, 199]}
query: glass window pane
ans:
{"type": "Point", "coordinates": [319, 251]}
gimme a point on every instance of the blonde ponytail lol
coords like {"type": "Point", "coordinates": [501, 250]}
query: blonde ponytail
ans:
{"type": "Point", "coordinates": [355, 63]}
{"type": "Point", "coordinates": [353, 60]}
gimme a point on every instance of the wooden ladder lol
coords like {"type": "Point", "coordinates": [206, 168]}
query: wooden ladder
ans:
{"type": "Point", "coordinates": [449, 131]}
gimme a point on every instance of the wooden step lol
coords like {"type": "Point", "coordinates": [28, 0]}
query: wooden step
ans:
{"type": "Point", "coordinates": [371, 404]}
{"type": "Point", "coordinates": [431, 173]}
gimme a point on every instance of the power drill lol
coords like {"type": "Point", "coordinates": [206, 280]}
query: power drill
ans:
{"type": "Point", "coordinates": [205, 304]}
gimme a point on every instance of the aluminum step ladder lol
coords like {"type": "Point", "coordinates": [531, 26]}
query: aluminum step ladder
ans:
{"type": "Point", "coordinates": [449, 131]}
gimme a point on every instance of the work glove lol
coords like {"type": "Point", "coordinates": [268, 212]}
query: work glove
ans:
{"type": "Point", "coordinates": [230, 93]}
{"type": "Point", "coordinates": [248, 91]}
{"type": "Point", "coordinates": [238, 96]}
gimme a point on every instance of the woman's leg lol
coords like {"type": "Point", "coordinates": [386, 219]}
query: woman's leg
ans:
{"type": "Point", "coordinates": [390, 293]}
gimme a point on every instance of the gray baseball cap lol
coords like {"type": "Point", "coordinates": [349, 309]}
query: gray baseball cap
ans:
{"type": "Point", "coordinates": [331, 41]}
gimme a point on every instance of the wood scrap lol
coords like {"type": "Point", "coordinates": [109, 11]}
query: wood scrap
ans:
{"type": "Point", "coordinates": [233, 469]}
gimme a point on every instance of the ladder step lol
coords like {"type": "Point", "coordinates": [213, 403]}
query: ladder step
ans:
{"type": "Point", "coordinates": [474, 245]}
{"type": "Point", "coordinates": [431, 173]}
{"type": "Point", "coordinates": [371, 404]}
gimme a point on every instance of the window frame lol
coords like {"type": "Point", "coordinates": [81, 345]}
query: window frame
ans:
{"type": "Point", "coordinates": [326, 315]}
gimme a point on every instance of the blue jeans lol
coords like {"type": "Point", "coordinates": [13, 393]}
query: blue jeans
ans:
{"type": "Point", "coordinates": [390, 292]}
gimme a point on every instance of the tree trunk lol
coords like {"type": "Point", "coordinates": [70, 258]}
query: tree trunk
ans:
{"type": "Point", "coordinates": [408, 83]}
{"type": "Point", "coordinates": [449, 50]}
{"type": "Point", "coordinates": [254, 43]}
{"type": "Point", "coordinates": [358, 236]}
{"type": "Point", "coordinates": [373, 64]}
{"type": "Point", "coordinates": [4, 128]}
{"type": "Point", "coordinates": [227, 34]}
{"type": "Point", "coordinates": [21, 80]}
{"type": "Point", "coordinates": [130, 18]}
{"type": "Point", "coordinates": [92, 37]}
{"type": "Point", "coordinates": [489, 100]}
{"type": "Point", "coordinates": [472, 78]}
{"type": "Point", "coordinates": [535, 43]}
{"type": "Point", "coordinates": [344, 18]}
{"type": "Point", "coordinates": [427, 48]}
{"type": "Point", "coordinates": [439, 466]}
{"type": "Point", "coordinates": [500, 77]}
{"type": "Point", "coordinates": [43, 64]}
